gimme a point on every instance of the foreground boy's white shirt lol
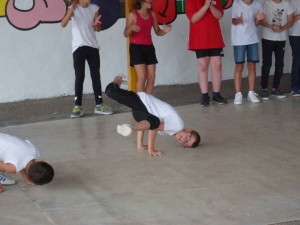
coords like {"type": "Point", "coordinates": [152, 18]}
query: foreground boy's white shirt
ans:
{"type": "Point", "coordinates": [165, 113]}
{"type": "Point", "coordinates": [17, 151]}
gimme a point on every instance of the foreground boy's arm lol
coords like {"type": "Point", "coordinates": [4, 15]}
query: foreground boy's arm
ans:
{"type": "Point", "coordinates": [10, 168]}
{"type": "Point", "coordinates": [151, 141]}
{"type": "Point", "coordinates": [26, 177]}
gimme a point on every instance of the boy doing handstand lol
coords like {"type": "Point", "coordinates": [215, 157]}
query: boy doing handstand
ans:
{"type": "Point", "coordinates": [151, 114]}
{"type": "Point", "coordinates": [17, 155]}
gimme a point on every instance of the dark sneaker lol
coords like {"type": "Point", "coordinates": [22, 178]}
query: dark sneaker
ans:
{"type": "Point", "coordinates": [219, 99]}
{"type": "Point", "coordinates": [278, 94]}
{"type": "Point", "coordinates": [264, 95]}
{"type": "Point", "coordinates": [295, 93]}
{"type": "Point", "coordinates": [205, 101]}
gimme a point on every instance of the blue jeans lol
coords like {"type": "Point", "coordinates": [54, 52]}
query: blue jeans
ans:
{"type": "Point", "coordinates": [295, 75]}
{"type": "Point", "coordinates": [240, 52]}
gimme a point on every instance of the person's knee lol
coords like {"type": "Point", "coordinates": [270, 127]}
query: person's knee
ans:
{"type": "Point", "coordinates": [110, 90]}
{"type": "Point", "coordinates": [154, 122]}
{"type": "Point", "coordinates": [251, 66]}
{"type": "Point", "coordinates": [239, 67]}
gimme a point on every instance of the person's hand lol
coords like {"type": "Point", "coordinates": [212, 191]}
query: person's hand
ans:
{"type": "Point", "coordinates": [135, 28]}
{"type": "Point", "coordinates": [97, 21]}
{"type": "Point", "coordinates": [155, 153]}
{"type": "Point", "coordinates": [260, 16]}
{"type": "Point", "coordinates": [29, 182]}
{"type": "Point", "coordinates": [240, 19]}
{"type": "Point", "coordinates": [208, 3]}
{"type": "Point", "coordinates": [276, 28]}
{"type": "Point", "coordinates": [1, 189]}
{"type": "Point", "coordinates": [142, 147]}
{"type": "Point", "coordinates": [74, 4]}
{"type": "Point", "coordinates": [167, 28]}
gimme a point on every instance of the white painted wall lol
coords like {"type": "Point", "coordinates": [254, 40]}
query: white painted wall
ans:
{"type": "Point", "coordinates": [38, 63]}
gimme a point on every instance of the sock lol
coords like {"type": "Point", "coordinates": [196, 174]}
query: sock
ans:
{"type": "Point", "coordinates": [99, 104]}
{"type": "Point", "coordinates": [77, 106]}
{"type": "Point", "coordinates": [251, 92]}
{"type": "Point", "coordinates": [239, 93]}
{"type": "Point", "coordinates": [216, 93]}
{"type": "Point", "coordinates": [205, 95]}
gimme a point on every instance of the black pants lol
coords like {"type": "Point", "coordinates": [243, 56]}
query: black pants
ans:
{"type": "Point", "coordinates": [295, 75]}
{"type": "Point", "coordinates": [133, 101]}
{"type": "Point", "coordinates": [93, 58]}
{"type": "Point", "coordinates": [268, 47]}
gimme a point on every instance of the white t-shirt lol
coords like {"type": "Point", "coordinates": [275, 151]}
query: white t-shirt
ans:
{"type": "Point", "coordinates": [295, 29]}
{"type": "Point", "coordinates": [165, 112]}
{"type": "Point", "coordinates": [83, 31]}
{"type": "Point", "coordinates": [17, 151]}
{"type": "Point", "coordinates": [276, 14]}
{"type": "Point", "coordinates": [245, 34]}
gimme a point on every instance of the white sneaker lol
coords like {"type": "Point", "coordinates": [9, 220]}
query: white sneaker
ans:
{"type": "Point", "coordinates": [124, 129]}
{"type": "Point", "coordinates": [252, 97]}
{"type": "Point", "coordinates": [5, 181]}
{"type": "Point", "coordinates": [238, 100]}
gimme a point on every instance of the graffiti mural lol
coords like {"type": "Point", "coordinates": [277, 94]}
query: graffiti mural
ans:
{"type": "Point", "coordinates": [52, 11]}
{"type": "Point", "coordinates": [42, 11]}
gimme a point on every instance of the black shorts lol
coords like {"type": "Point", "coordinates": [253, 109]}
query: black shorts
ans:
{"type": "Point", "coordinates": [200, 53]}
{"type": "Point", "coordinates": [142, 54]}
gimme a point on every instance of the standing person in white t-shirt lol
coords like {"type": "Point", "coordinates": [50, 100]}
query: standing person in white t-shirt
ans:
{"type": "Point", "coordinates": [17, 155]}
{"type": "Point", "coordinates": [279, 18]}
{"type": "Point", "coordinates": [85, 21]}
{"type": "Point", "coordinates": [294, 33]}
{"type": "Point", "coordinates": [246, 15]}
{"type": "Point", "coordinates": [151, 114]}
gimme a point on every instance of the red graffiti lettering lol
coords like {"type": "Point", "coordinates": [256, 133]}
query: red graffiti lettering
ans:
{"type": "Point", "coordinates": [165, 10]}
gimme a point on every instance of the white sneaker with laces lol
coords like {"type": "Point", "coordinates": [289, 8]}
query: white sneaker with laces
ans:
{"type": "Point", "coordinates": [238, 100]}
{"type": "Point", "coordinates": [124, 129]}
{"type": "Point", "coordinates": [252, 97]}
{"type": "Point", "coordinates": [5, 181]}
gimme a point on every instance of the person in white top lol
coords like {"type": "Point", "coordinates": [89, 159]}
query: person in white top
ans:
{"type": "Point", "coordinates": [279, 18]}
{"type": "Point", "coordinates": [151, 114]}
{"type": "Point", "coordinates": [294, 37]}
{"type": "Point", "coordinates": [17, 155]}
{"type": "Point", "coordinates": [246, 15]}
{"type": "Point", "coordinates": [85, 21]}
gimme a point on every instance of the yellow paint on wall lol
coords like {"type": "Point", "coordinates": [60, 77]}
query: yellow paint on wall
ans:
{"type": "Point", "coordinates": [2, 7]}
{"type": "Point", "coordinates": [132, 76]}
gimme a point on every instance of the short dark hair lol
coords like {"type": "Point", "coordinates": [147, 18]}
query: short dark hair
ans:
{"type": "Point", "coordinates": [198, 139]}
{"type": "Point", "coordinates": [40, 173]}
{"type": "Point", "coordinates": [138, 4]}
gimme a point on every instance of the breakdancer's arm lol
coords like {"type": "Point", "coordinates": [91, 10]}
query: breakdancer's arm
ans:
{"type": "Point", "coordinates": [151, 141]}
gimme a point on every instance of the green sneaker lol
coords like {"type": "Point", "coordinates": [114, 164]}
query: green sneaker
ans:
{"type": "Point", "coordinates": [103, 109]}
{"type": "Point", "coordinates": [77, 112]}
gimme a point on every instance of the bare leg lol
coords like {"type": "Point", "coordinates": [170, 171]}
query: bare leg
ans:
{"type": "Point", "coordinates": [117, 81]}
{"type": "Point", "coordinates": [251, 75]}
{"type": "Point", "coordinates": [216, 72]}
{"type": "Point", "coordinates": [141, 126]}
{"type": "Point", "coordinates": [150, 78]}
{"type": "Point", "coordinates": [238, 77]}
{"type": "Point", "coordinates": [141, 71]}
{"type": "Point", "coordinates": [203, 64]}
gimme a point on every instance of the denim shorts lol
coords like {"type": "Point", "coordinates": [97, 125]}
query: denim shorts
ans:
{"type": "Point", "coordinates": [240, 52]}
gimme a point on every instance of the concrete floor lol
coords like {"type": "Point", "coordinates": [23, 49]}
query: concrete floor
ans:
{"type": "Point", "coordinates": [245, 171]}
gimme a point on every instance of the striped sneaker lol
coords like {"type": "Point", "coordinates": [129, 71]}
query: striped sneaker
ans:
{"type": "Point", "coordinates": [5, 181]}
